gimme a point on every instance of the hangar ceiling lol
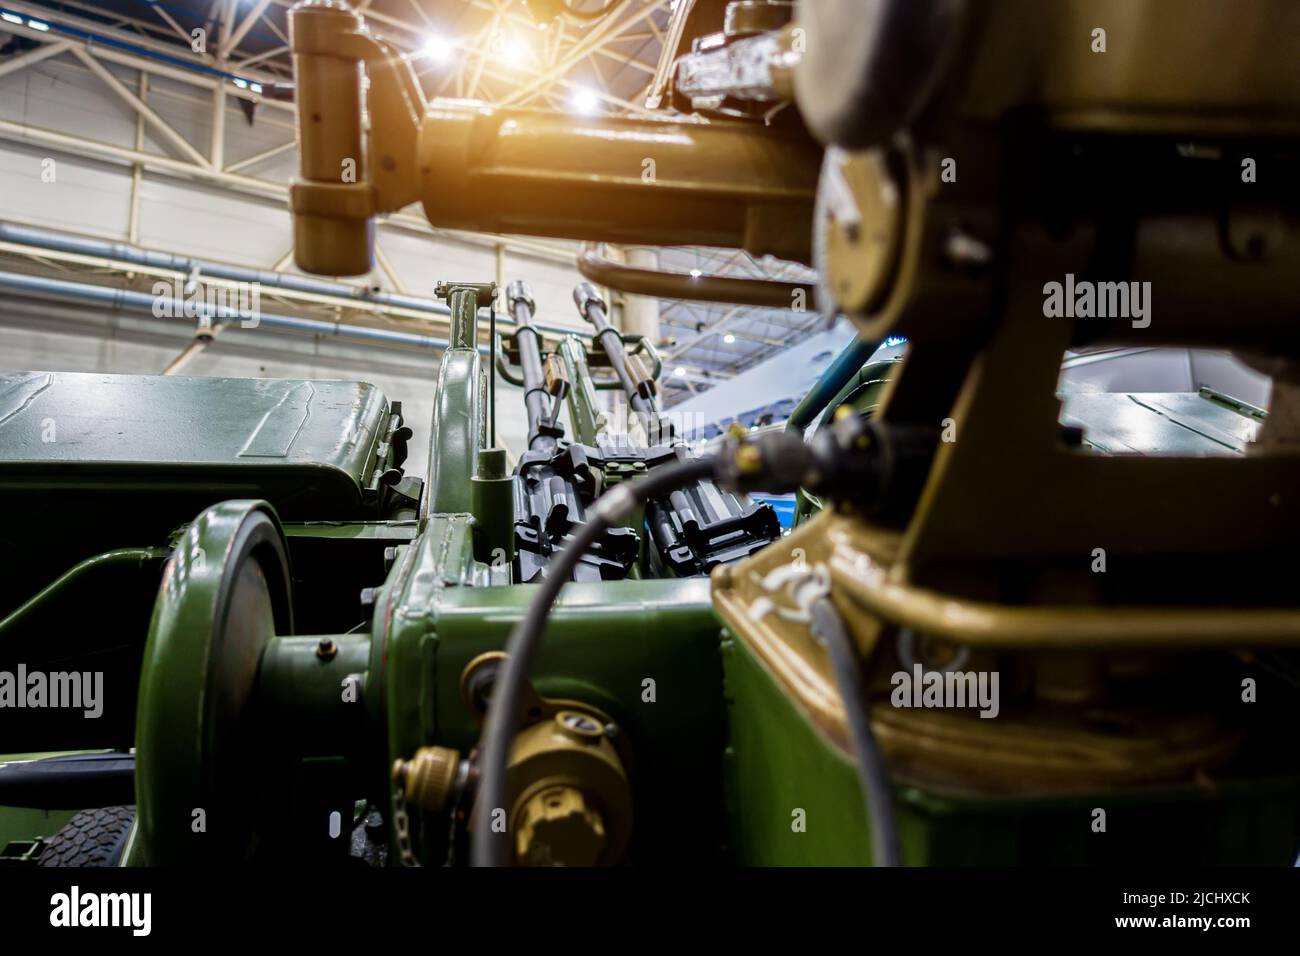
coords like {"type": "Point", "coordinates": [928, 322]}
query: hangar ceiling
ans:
{"type": "Point", "coordinates": [506, 52]}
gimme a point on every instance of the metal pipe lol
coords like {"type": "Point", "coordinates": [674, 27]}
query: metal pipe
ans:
{"type": "Point", "coordinates": [118, 556]}
{"type": "Point", "coordinates": [241, 29]}
{"type": "Point", "coordinates": [200, 343]}
{"type": "Point", "coordinates": [765, 293]}
{"type": "Point", "coordinates": [144, 302]}
{"type": "Point", "coordinates": [32, 57]}
{"type": "Point", "coordinates": [844, 366]}
{"type": "Point", "coordinates": [123, 252]}
{"type": "Point", "coordinates": [268, 279]}
{"type": "Point", "coordinates": [465, 299]}
{"type": "Point", "coordinates": [983, 624]}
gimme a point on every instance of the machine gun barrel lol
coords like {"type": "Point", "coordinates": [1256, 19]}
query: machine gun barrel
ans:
{"type": "Point", "coordinates": [542, 389]}
{"type": "Point", "coordinates": [638, 385]}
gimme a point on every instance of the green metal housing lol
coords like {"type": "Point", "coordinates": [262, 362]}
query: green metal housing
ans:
{"type": "Point", "coordinates": [284, 673]}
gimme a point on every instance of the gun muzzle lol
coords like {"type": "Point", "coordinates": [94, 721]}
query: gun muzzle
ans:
{"type": "Point", "coordinates": [587, 299]}
{"type": "Point", "coordinates": [518, 291]}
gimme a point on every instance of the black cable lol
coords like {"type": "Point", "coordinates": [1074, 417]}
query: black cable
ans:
{"type": "Point", "coordinates": [828, 628]}
{"type": "Point", "coordinates": [489, 848]}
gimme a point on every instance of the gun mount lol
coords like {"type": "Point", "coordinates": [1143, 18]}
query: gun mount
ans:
{"type": "Point", "coordinates": [958, 174]}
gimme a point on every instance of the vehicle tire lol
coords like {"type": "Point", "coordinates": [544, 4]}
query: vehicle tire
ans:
{"type": "Point", "coordinates": [91, 838]}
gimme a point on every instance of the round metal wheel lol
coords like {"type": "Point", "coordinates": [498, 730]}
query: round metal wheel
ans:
{"type": "Point", "coordinates": [200, 772]}
{"type": "Point", "coordinates": [857, 228]}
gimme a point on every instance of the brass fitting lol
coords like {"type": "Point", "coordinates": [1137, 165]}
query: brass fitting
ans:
{"type": "Point", "coordinates": [428, 780]}
{"type": "Point", "coordinates": [571, 804]}
{"type": "Point", "coordinates": [749, 459]}
{"type": "Point", "coordinates": [557, 825]}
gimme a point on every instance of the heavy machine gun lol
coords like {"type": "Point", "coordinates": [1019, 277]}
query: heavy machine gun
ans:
{"type": "Point", "coordinates": [557, 480]}
{"type": "Point", "coordinates": [701, 525]}
{"type": "Point", "coordinates": [691, 530]}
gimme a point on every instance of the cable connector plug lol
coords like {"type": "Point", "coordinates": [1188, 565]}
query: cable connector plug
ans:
{"type": "Point", "coordinates": [777, 462]}
{"type": "Point", "coordinates": [855, 460]}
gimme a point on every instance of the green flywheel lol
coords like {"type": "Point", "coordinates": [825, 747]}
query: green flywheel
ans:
{"type": "Point", "coordinates": [199, 763]}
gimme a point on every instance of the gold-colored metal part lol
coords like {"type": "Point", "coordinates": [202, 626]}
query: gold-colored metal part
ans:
{"type": "Point", "coordinates": [347, 173]}
{"type": "Point", "coordinates": [1155, 77]}
{"type": "Point", "coordinates": [1050, 750]}
{"type": "Point", "coordinates": [860, 245]}
{"type": "Point", "coordinates": [641, 378]}
{"type": "Point", "coordinates": [332, 204]}
{"type": "Point", "coordinates": [617, 179]}
{"type": "Point", "coordinates": [562, 751]}
{"type": "Point", "coordinates": [1008, 511]}
{"type": "Point", "coordinates": [748, 459]}
{"type": "Point", "coordinates": [570, 801]}
{"type": "Point", "coordinates": [521, 171]}
{"type": "Point", "coordinates": [558, 828]}
{"type": "Point", "coordinates": [1055, 741]}
{"type": "Point", "coordinates": [428, 779]}
{"type": "Point", "coordinates": [557, 377]}
{"type": "Point", "coordinates": [982, 623]}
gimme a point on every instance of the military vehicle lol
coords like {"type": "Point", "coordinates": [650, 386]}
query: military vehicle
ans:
{"type": "Point", "coordinates": [1005, 614]}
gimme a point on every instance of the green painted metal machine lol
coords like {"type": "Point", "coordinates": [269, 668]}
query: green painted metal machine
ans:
{"type": "Point", "coordinates": [251, 743]}
{"type": "Point", "coordinates": [1011, 626]}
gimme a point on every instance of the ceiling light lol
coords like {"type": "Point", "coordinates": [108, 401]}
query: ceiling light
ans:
{"type": "Point", "coordinates": [12, 18]}
{"type": "Point", "coordinates": [437, 48]}
{"type": "Point", "coordinates": [514, 50]}
{"type": "Point", "coordinates": [679, 372]}
{"type": "Point", "coordinates": [696, 273]}
{"type": "Point", "coordinates": [38, 25]}
{"type": "Point", "coordinates": [242, 84]}
{"type": "Point", "coordinates": [585, 100]}
{"type": "Point", "coordinates": [728, 338]}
